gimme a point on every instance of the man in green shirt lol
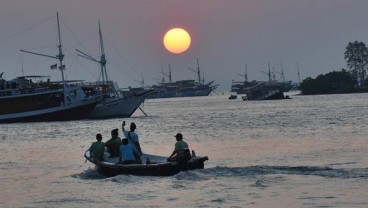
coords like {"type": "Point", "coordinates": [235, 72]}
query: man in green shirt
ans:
{"type": "Point", "coordinates": [180, 146]}
{"type": "Point", "coordinates": [97, 149]}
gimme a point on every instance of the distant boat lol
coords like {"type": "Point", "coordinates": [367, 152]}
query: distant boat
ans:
{"type": "Point", "coordinates": [184, 88]}
{"type": "Point", "coordinates": [240, 87]}
{"type": "Point", "coordinates": [114, 104]}
{"type": "Point", "coordinates": [232, 97]}
{"type": "Point", "coordinates": [30, 98]}
{"type": "Point", "coordinates": [263, 91]}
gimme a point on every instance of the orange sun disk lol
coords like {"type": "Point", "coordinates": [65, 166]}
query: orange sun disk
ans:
{"type": "Point", "coordinates": [177, 40]}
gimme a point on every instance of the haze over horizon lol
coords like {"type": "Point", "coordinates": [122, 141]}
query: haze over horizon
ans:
{"type": "Point", "coordinates": [226, 35]}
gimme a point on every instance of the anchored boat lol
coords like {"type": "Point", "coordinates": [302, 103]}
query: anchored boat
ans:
{"type": "Point", "coordinates": [183, 88]}
{"type": "Point", "coordinates": [30, 98]}
{"type": "Point", "coordinates": [114, 104]}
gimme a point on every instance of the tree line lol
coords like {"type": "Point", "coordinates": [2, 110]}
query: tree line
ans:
{"type": "Point", "coordinates": [353, 79]}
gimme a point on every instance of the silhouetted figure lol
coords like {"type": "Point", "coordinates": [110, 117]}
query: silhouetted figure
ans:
{"type": "Point", "coordinates": [114, 143]}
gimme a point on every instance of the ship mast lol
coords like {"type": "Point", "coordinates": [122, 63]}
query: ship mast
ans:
{"type": "Point", "coordinates": [165, 75]}
{"type": "Point", "coordinates": [298, 73]}
{"type": "Point", "coordinates": [102, 60]}
{"type": "Point", "coordinates": [103, 56]}
{"type": "Point", "coordinates": [60, 57]}
{"type": "Point", "coordinates": [170, 74]}
{"type": "Point", "coordinates": [198, 72]}
{"type": "Point", "coordinates": [246, 73]}
{"type": "Point", "coordinates": [269, 73]}
{"type": "Point", "coordinates": [245, 76]}
{"type": "Point", "coordinates": [282, 73]}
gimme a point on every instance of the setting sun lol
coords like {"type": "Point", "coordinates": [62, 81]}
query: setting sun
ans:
{"type": "Point", "coordinates": [177, 40]}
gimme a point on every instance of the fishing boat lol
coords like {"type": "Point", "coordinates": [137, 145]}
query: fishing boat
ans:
{"type": "Point", "coordinates": [263, 91]}
{"type": "Point", "coordinates": [30, 98]}
{"type": "Point", "coordinates": [240, 87]}
{"type": "Point", "coordinates": [153, 165]}
{"type": "Point", "coordinates": [233, 97]}
{"type": "Point", "coordinates": [114, 103]}
{"type": "Point", "coordinates": [183, 88]}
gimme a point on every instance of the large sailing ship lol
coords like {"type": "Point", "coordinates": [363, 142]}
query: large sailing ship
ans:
{"type": "Point", "coordinates": [114, 103]}
{"type": "Point", "coordinates": [30, 98]}
{"type": "Point", "coordinates": [184, 88]}
{"type": "Point", "coordinates": [261, 90]}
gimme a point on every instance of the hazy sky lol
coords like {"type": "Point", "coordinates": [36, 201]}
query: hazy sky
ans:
{"type": "Point", "coordinates": [226, 35]}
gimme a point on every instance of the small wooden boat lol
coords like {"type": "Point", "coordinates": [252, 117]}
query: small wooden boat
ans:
{"type": "Point", "coordinates": [232, 97]}
{"type": "Point", "coordinates": [153, 165]}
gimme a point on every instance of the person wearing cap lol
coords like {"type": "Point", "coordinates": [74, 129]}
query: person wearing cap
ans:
{"type": "Point", "coordinates": [180, 145]}
{"type": "Point", "coordinates": [114, 143]}
{"type": "Point", "coordinates": [97, 149]}
{"type": "Point", "coordinates": [132, 136]}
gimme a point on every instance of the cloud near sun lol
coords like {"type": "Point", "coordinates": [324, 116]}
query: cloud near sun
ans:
{"type": "Point", "coordinates": [177, 40]}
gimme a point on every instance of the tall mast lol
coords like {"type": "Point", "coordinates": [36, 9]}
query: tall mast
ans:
{"type": "Point", "coordinates": [246, 74]}
{"type": "Point", "coordinates": [60, 56]}
{"type": "Point", "coordinates": [165, 75]}
{"type": "Point", "coordinates": [142, 81]}
{"type": "Point", "coordinates": [298, 73]}
{"type": "Point", "coordinates": [103, 56]}
{"type": "Point", "coordinates": [269, 73]}
{"type": "Point", "coordinates": [282, 73]}
{"type": "Point", "coordinates": [199, 72]}
{"type": "Point", "coordinates": [170, 74]}
{"type": "Point", "coordinates": [102, 60]}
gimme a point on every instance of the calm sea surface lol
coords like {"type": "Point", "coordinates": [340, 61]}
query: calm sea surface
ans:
{"type": "Point", "coordinates": [309, 151]}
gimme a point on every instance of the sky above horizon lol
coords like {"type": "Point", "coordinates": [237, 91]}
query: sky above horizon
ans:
{"type": "Point", "coordinates": [225, 35]}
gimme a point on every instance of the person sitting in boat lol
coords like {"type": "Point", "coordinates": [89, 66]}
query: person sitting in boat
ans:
{"type": "Point", "coordinates": [114, 143]}
{"type": "Point", "coordinates": [132, 136]}
{"type": "Point", "coordinates": [97, 149]}
{"type": "Point", "coordinates": [181, 151]}
{"type": "Point", "coordinates": [128, 153]}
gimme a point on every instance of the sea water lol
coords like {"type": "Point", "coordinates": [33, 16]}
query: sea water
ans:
{"type": "Point", "coordinates": [308, 151]}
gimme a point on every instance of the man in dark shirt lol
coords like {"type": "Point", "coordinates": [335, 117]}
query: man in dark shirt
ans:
{"type": "Point", "coordinates": [114, 143]}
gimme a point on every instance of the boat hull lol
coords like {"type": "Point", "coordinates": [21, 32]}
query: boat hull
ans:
{"type": "Point", "coordinates": [118, 107]}
{"type": "Point", "coordinates": [187, 93]}
{"type": "Point", "coordinates": [161, 168]}
{"type": "Point", "coordinates": [183, 88]}
{"type": "Point", "coordinates": [60, 113]}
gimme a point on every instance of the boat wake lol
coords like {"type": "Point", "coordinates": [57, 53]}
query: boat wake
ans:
{"type": "Point", "coordinates": [89, 174]}
{"type": "Point", "coordinates": [323, 171]}
{"type": "Point", "coordinates": [251, 171]}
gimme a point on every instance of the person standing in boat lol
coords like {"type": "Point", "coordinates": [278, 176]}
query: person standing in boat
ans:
{"type": "Point", "coordinates": [114, 143]}
{"type": "Point", "coordinates": [132, 136]}
{"type": "Point", "coordinates": [128, 153]}
{"type": "Point", "coordinates": [97, 149]}
{"type": "Point", "coordinates": [181, 150]}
